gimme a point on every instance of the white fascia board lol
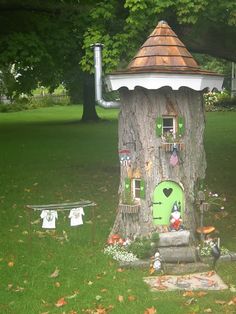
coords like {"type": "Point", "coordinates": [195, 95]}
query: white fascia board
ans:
{"type": "Point", "coordinates": [157, 80]}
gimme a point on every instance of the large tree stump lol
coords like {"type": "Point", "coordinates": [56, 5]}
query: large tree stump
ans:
{"type": "Point", "coordinates": [150, 161]}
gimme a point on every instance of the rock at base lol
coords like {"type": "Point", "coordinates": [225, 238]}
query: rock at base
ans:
{"type": "Point", "coordinates": [178, 238]}
{"type": "Point", "coordinates": [178, 254]}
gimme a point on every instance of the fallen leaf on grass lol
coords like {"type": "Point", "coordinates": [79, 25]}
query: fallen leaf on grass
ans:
{"type": "Point", "coordinates": [190, 301]}
{"type": "Point", "coordinates": [120, 270]}
{"type": "Point", "coordinates": [37, 221]}
{"type": "Point", "coordinates": [208, 310]}
{"type": "Point", "coordinates": [211, 273]}
{"type": "Point", "coordinates": [188, 294]}
{"type": "Point", "coordinates": [72, 296]}
{"type": "Point", "coordinates": [131, 298]}
{"type": "Point", "coordinates": [19, 289]}
{"type": "Point", "coordinates": [90, 283]}
{"type": "Point", "coordinates": [103, 290]}
{"type": "Point", "coordinates": [61, 302]}
{"type": "Point", "coordinates": [120, 298]}
{"type": "Point", "coordinates": [9, 286]}
{"type": "Point", "coordinates": [98, 297]}
{"type": "Point", "coordinates": [221, 302]}
{"type": "Point", "coordinates": [232, 288]}
{"type": "Point", "coordinates": [150, 310]}
{"type": "Point", "coordinates": [55, 273]}
{"type": "Point", "coordinates": [10, 264]}
{"type": "Point", "coordinates": [232, 302]}
{"type": "Point", "coordinates": [57, 284]}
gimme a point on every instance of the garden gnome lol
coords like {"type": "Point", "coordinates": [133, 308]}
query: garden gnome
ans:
{"type": "Point", "coordinates": [157, 261]}
{"type": "Point", "coordinates": [175, 218]}
{"type": "Point", "coordinates": [215, 250]}
{"type": "Point", "coordinates": [156, 264]}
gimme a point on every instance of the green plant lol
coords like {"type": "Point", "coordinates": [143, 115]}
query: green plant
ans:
{"type": "Point", "coordinates": [205, 250]}
{"type": "Point", "coordinates": [219, 101]}
{"type": "Point", "coordinates": [144, 247]}
{"type": "Point", "coordinates": [120, 253]}
{"type": "Point", "coordinates": [127, 198]}
{"type": "Point", "coordinates": [170, 137]}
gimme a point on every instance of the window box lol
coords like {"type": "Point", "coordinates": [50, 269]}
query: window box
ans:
{"type": "Point", "coordinates": [168, 147]}
{"type": "Point", "coordinates": [129, 209]}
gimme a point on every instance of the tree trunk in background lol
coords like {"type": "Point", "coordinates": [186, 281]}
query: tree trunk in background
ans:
{"type": "Point", "coordinates": [149, 160]}
{"type": "Point", "coordinates": [89, 109]}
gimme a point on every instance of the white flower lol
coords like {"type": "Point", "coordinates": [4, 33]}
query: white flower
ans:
{"type": "Point", "coordinates": [119, 253]}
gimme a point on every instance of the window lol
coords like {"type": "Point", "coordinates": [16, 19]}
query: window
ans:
{"type": "Point", "coordinates": [168, 125]}
{"type": "Point", "coordinates": [136, 188]}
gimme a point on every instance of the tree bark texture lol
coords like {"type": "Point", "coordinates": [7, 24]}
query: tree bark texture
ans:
{"type": "Point", "coordinates": [89, 109]}
{"type": "Point", "coordinates": [149, 161]}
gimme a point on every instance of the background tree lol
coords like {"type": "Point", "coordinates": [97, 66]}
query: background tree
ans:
{"type": "Point", "coordinates": [49, 42]}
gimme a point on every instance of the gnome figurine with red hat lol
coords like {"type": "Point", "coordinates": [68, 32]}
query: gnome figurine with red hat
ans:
{"type": "Point", "coordinates": [175, 218]}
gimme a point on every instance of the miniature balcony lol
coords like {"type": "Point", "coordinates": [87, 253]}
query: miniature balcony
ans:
{"type": "Point", "coordinates": [168, 147]}
{"type": "Point", "coordinates": [129, 209]}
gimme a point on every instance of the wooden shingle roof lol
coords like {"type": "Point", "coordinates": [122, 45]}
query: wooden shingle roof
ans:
{"type": "Point", "coordinates": [163, 60]}
{"type": "Point", "coordinates": [163, 52]}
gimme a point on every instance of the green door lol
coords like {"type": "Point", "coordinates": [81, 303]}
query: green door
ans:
{"type": "Point", "coordinates": [165, 195]}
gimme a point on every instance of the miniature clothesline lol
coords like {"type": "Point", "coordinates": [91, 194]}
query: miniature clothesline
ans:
{"type": "Point", "coordinates": [62, 206]}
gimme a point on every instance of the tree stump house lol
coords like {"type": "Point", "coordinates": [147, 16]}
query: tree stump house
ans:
{"type": "Point", "coordinates": [161, 128]}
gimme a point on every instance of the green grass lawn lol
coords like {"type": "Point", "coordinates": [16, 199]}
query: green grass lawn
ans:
{"type": "Point", "coordinates": [48, 156]}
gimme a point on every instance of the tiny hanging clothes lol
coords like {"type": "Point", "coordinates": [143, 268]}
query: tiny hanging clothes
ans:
{"type": "Point", "coordinates": [49, 218]}
{"type": "Point", "coordinates": [75, 216]}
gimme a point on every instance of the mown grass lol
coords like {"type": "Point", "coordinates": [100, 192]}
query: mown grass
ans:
{"type": "Point", "coordinates": [48, 156]}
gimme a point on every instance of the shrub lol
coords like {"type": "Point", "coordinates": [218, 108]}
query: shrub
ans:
{"type": "Point", "coordinates": [28, 103]}
{"type": "Point", "coordinates": [219, 101]}
{"type": "Point", "coordinates": [145, 247]}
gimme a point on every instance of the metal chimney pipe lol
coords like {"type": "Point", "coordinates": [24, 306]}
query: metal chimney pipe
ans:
{"type": "Point", "coordinates": [97, 48]}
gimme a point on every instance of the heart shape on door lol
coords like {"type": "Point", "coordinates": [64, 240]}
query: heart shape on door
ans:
{"type": "Point", "coordinates": [167, 192]}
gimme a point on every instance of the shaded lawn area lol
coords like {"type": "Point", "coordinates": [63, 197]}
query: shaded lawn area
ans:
{"type": "Point", "coordinates": [48, 156]}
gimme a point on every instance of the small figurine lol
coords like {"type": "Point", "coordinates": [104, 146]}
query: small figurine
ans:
{"type": "Point", "coordinates": [215, 250]}
{"type": "Point", "coordinates": [175, 218]}
{"type": "Point", "coordinates": [156, 263]}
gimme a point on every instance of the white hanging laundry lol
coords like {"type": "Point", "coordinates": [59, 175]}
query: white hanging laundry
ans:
{"type": "Point", "coordinates": [49, 218]}
{"type": "Point", "coordinates": [75, 216]}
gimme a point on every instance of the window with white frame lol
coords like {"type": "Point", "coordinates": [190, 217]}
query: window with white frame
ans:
{"type": "Point", "coordinates": [169, 125]}
{"type": "Point", "coordinates": [136, 187]}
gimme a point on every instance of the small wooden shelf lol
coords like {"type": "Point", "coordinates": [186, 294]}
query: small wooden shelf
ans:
{"type": "Point", "coordinates": [168, 147]}
{"type": "Point", "coordinates": [129, 209]}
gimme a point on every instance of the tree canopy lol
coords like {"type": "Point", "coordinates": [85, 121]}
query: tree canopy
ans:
{"type": "Point", "coordinates": [49, 42]}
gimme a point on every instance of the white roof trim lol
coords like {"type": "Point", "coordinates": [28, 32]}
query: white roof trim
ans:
{"type": "Point", "coordinates": [197, 82]}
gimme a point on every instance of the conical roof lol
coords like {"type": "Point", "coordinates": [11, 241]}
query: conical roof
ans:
{"type": "Point", "coordinates": [163, 60]}
{"type": "Point", "coordinates": [163, 51]}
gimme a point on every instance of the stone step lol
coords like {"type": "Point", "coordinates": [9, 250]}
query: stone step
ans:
{"type": "Point", "coordinates": [175, 238]}
{"type": "Point", "coordinates": [178, 254]}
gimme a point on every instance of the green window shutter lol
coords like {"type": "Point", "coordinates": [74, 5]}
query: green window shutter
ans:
{"type": "Point", "coordinates": [142, 189]}
{"type": "Point", "coordinates": [159, 123]}
{"type": "Point", "coordinates": [127, 185]}
{"type": "Point", "coordinates": [180, 126]}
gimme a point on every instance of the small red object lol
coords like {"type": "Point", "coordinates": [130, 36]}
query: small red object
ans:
{"type": "Point", "coordinates": [121, 241]}
{"type": "Point", "coordinates": [109, 241]}
{"type": "Point", "coordinates": [61, 302]}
